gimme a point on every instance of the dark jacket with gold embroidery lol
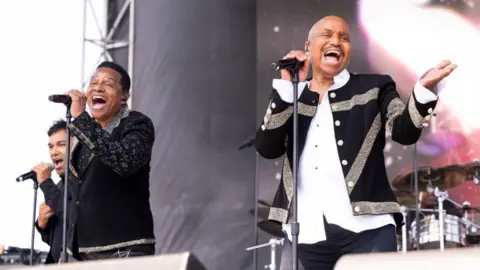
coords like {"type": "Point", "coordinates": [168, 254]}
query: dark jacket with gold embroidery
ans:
{"type": "Point", "coordinates": [111, 168]}
{"type": "Point", "coordinates": [364, 110]}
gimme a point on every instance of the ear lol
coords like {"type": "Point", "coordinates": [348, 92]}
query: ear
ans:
{"type": "Point", "coordinates": [125, 97]}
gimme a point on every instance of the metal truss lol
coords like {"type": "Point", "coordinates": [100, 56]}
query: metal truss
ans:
{"type": "Point", "coordinates": [104, 39]}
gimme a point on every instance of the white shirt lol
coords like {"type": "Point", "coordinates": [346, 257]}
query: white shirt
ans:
{"type": "Point", "coordinates": [321, 183]}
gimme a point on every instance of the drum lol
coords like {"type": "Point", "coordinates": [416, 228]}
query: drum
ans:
{"type": "Point", "coordinates": [454, 232]}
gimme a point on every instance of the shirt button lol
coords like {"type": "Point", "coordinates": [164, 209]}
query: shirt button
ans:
{"type": "Point", "coordinates": [273, 105]}
{"type": "Point", "coordinates": [337, 123]}
{"type": "Point", "coordinates": [357, 209]}
{"type": "Point", "coordinates": [344, 162]}
{"type": "Point", "coordinates": [334, 107]}
{"type": "Point", "coordinates": [425, 124]}
{"type": "Point", "coordinates": [428, 117]}
{"type": "Point", "coordinates": [316, 145]}
{"type": "Point", "coordinates": [340, 142]}
{"type": "Point", "coordinates": [333, 95]}
{"type": "Point", "coordinates": [263, 127]}
{"type": "Point", "coordinates": [269, 111]}
{"type": "Point", "coordinates": [317, 125]}
{"type": "Point", "coordinates": [316, 168]}
{"type": "Point", "coordinates": [77, 203]}
{"type": "Point", "coordinates": [80, 182]}
{"type": "Point", "coordinates": [265, 119]}
{"type": "Point", "coordinates": [430, 110]}
{"type": "Point", "coordinates": [350, 184]}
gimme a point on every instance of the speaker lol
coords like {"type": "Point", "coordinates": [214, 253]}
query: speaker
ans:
{"type": "Point", "coordinates": [177, 261]}
{"type": "Point", "coordinates": [461, 258]}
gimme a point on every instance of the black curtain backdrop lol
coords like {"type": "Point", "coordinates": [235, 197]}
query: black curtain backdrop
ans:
{"type": "Point", "coordinates": [195, 77]}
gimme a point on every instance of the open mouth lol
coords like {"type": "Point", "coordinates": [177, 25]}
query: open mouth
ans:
{"type": "Point", "coordinates": [57, 163]}
{"type": "Point", "coordinates": [98, 102]}
{"type": "Point", "coordinates": [332, 56]}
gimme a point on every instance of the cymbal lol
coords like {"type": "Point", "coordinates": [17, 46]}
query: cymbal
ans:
{"type": "Point", "coordinates": [405, 198]}
{"type": "Point", "coordinates": [271, 227]}
{"type": "Point", "coordinates": [442, 177]}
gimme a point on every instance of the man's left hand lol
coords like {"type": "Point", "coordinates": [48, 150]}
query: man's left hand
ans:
{"type": "Point", "coordinates": [79, 100]}
{"type": "Point", "coordinates": [435, 75]}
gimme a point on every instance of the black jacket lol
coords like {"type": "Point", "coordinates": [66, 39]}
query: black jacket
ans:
{"type": "Point", "coordinates": [364, 110]}
{"type": "Point", "coordinates": [52, 234]}
{"type": "Point", "coordinates": [111, 167]}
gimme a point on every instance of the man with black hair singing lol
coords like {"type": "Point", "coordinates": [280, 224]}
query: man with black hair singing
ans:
{"type": "Point", "coordinates": [50, 217]}
{"type": "Point", "coordinates": [111, 152]}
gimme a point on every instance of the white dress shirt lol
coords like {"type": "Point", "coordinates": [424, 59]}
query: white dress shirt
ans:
{"type": "Point", "coordinates": [321, 183]}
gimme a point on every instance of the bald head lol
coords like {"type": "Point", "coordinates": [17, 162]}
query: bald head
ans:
{"type": "Point", "coordinates": [328, 45]}
{"type": "Point", "coordinates": [326, 23]}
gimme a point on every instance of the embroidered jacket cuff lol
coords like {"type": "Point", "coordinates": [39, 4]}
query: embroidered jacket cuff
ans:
{"type": "Point", "coordinates": [423, 95]}
{"type": "Point", "coordinates": [84, 127]}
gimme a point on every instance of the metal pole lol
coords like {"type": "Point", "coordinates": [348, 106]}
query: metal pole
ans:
{"type": "Point", "coordinates": [441, 220]}
{"type": "Point", "coordinates": [417, 195]}
{"type": "Point", "coordinates": [255, 228]}
{"type": "Point", "coordinates": [82, 79]}
{"type": "Point", "coordinates": [404, 230]}
{"type": "Point", "coordinates": [131, 42]}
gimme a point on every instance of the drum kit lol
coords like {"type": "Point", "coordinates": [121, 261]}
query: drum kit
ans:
{"type": "Point", "coordinates": [445, 213]}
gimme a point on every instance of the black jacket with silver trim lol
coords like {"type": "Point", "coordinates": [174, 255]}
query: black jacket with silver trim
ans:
{"type": "Point", "coordinates": [111, 167]}
{"type": "Point", "coordinates": [364, 110]}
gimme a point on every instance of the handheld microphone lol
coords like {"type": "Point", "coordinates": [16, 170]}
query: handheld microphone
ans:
{"type": "Point", "coordinates": [30, 175]}
{"type": "Point", "coordinates": [65, 99]}
{"type": "Point", "coordinates": [287, 64]}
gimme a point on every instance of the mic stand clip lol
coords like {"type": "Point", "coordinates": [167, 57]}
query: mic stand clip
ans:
{"type": "Point", "coordinates": [273, 243]}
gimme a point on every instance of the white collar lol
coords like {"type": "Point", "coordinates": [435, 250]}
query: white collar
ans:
{"type": "Point", "coordinates": [338, 81]}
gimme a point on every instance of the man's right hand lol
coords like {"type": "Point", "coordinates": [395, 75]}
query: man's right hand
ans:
{"type": "Point", "coordinates": [303, 72]}
{"type": "Point", "coordinates": [43, 171]}
{"type": "Point", "coordinates": [44, 214]}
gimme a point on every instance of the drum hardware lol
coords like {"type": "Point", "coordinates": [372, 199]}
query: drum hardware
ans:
{"type": "Point", "coordinates": [404, 228]}
{"type": "Point", "coordinates": [273, 243]}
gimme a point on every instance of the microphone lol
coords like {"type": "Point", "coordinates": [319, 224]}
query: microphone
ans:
{"type": "Point", "coordinates": [30, 175]}
{"type": "Point", "coordinates": [65, 99]}
{"type": "Point", "coordinates": [287, 64]}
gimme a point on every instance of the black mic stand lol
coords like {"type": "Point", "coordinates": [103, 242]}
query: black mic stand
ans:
{"type": "Point", "coordinates": [417, 195]}
{"type": "Point", "coordinates": [35, 194]}
{"type": "Point", "coordinates": [63, 255]}
{"type": "Point", "coordinates": [295, 226]}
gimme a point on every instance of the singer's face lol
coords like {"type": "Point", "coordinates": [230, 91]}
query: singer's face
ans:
{"type": "Point", "coordinates": [329, 43]}
{"type": "Point", "coordinates": [104, 94]}
{"type": "Point", "coordinates": [57, 144]}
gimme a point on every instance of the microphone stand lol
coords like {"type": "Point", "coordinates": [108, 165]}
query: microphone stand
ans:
{"type": "Point", "coordinates": [63, 255]}
{"type": "Point", "coordinates": [417, 195]}
{"type": "Point", "coordinates": [295, 226]}
{"type": "Point", "coordinates": [35, 194]}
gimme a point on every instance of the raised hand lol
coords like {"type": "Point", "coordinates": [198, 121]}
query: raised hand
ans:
{"type": "Point", "coordinates": [435, 75]}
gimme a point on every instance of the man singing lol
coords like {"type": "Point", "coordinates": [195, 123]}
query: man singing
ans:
{"type": "Point", "coordinates": [50, 217]}
{"type": "Point", "coordinates": [111, 216]}
{"type": "Point", "coordinates": [345, 203]}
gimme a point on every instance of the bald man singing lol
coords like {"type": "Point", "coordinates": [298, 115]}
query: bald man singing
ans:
{"type": "Point", "coordinates": [345, 202]}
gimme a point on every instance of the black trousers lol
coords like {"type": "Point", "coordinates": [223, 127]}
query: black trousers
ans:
{"type": "Point", "coordinates": [324, 255]}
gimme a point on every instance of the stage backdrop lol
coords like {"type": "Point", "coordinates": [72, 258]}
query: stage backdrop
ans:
{"type": "Point", "coordinates": [195, 77]}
